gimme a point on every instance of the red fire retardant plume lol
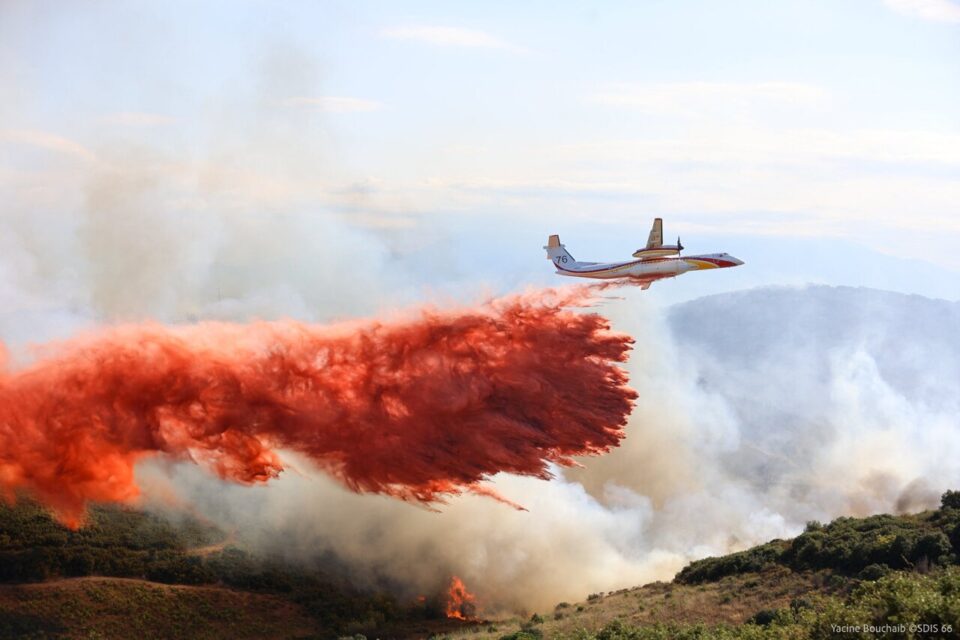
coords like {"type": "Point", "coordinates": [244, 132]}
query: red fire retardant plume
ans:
{"type": "Point", "coordinates": [416, 408]}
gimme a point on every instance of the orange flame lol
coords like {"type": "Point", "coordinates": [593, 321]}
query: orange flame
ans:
{"type": "Point", "coordinates": [461, 604]}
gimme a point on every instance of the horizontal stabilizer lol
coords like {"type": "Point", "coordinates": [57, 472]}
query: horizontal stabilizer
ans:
{"type": "Point", "coordinates": [557, 253]}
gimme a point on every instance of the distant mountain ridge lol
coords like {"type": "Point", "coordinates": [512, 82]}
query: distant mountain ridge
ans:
{"type": "Point", "coordinates": [848, 395]}
{"type": "Point", "coordinates": [908, 335]}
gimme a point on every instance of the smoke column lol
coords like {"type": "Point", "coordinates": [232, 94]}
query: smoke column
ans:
{"type": "Point", "coordinates": [416, 408]}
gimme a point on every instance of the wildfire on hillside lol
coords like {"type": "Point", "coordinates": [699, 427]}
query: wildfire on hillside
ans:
{"type": "Point", "coordinates": [461, 604]}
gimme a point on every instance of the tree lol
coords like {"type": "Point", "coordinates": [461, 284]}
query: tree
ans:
{"type": "Point", "coordinates": [950, 500]}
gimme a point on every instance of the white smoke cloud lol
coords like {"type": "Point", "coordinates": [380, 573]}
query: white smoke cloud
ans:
{"type": "Point", "coordinates": [235, 227]}
{"type": "Point", "coordinates": [129, 248]}
{"type": "Point", "coordinates": [729, 446]}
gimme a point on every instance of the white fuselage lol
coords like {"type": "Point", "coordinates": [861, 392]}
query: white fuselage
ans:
{"type": "Point", "coordinates": [653, 269]}
{"type": "Point", "coordinates": [649, 266]}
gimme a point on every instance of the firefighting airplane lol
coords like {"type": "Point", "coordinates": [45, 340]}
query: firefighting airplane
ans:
{"type": "Point", "coordinates": [654, 262]}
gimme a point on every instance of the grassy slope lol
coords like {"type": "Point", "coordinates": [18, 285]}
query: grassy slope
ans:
{"type": "Point", "coordinates": [882, 569]}
{"type": "Point", "coordinates": [771, 604]}
{"type": "Point", "coordinates": [129, 608]}
{"type": "Point", "coordinates": [732, 600]}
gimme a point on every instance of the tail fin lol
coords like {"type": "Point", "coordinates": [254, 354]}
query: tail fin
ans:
{"type": "Point", "coordinates": [656, 234]}
{"type": "Point", "coordinates": [557, 253]}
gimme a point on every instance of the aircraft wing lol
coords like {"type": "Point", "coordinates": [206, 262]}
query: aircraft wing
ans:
{"type": "Point", "coordinates": [656, 234]}
{"type": "Point", "coordinates": [655, 247]}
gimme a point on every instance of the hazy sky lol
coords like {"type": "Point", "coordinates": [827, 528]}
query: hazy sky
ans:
{"type": "Point", "coordinates": [816, 140]}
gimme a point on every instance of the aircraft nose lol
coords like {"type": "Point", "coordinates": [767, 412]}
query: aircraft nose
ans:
{"type": "Point", "coordinates": [736, 262]}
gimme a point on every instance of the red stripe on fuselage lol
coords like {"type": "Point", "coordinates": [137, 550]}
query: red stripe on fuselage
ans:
{"type": "Point", "coordinates": [716, 261]}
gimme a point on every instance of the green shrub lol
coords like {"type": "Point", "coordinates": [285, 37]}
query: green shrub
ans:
{"type": "Point", "coordinates": [617, 630]}
{"type": "Point", "coordinates": [751, 560]}
{"type": "Point", "coordinates": [524, 634]}
{"type": "Point", "coordinates": [900, 597]}
{"type": "Point", "coordinates": [800, 604]}
{"type": "Point", "coordinates": [950, 500]}
{"type": "Point", "coordinates": [874, 572]}
{"type": "Point", "coordinates": [764, 617]}
{"type": "Point", "coordinates": [849, 545]}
